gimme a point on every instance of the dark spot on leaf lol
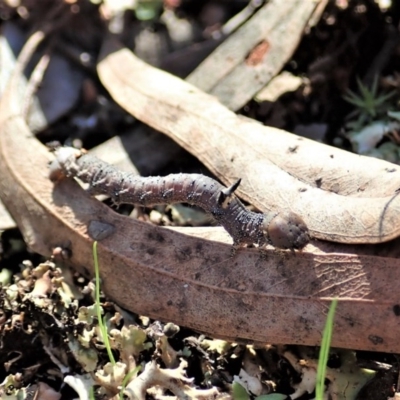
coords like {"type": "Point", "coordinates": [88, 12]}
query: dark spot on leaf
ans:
{"type": "Point", "coordinates": [375, 339]}
{"type": "Point", "coordinates": [158, 237]}
{"type": "Point", "coordinates": [396, 310]}
{"type": "Point", "coordinates": [258, 286]}
{"type": "Point", "coordinates": [183, 254]}
{"type": "Point", "coordinates": [99, 230]}
{"type": "Point", "coordinates": [182, 305]}
{"type": "Point", "coordinates": [318, 182]}
{"type": "Point", "coordinates": [350, 321]}
{"type": "Point", "coordinates": [199, 247]}
{"type": "Point", "coordinates": [215, 260]}
{"type": "Point", "coordinates": [390, 169]}
{"type": "Point", "coordinates": [151, 251]}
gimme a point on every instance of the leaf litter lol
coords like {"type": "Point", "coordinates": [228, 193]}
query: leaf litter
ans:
{"type": "Point", "coordinates": [48, 313]}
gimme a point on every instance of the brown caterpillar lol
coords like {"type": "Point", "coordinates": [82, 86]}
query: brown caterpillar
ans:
{"type": "Point", "coordinates": [283, 230]}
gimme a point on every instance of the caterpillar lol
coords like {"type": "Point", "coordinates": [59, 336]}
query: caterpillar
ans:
{"type": "Point", "coordinates": [285, 230]}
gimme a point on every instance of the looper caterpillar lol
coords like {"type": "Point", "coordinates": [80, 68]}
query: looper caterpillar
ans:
{"type": "Point", "coordinates": [283, 230]}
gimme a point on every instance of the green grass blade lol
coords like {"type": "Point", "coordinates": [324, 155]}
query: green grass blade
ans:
{"type": "Point", "coordinates": [127, 379]}
{"type": "Point", "coordinates": [102, 325]}
{"type": "Point", "coordinates": [91, 393]}
{"type": "Point", "coordinates": [324, 351]}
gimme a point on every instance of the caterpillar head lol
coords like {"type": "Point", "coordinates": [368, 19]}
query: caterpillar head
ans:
{"type": "Point", "coordinates": [64, 156]}
{"type": "Point", "coordinates": [287, 230]}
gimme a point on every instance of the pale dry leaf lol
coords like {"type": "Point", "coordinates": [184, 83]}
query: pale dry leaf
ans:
{"type": "Point", "coordinates": [341, 196]}
{"type": "Point", "coordinates": [250, 57]}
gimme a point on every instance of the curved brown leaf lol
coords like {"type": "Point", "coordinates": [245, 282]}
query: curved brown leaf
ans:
{"type": "Point", "coordinates": [189, 278]}
{"type": "Point", "coordinates": [341, 196]}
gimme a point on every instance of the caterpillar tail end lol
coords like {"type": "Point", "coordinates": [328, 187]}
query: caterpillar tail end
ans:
{"type": "Point", "coordinates": [287, 230]}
